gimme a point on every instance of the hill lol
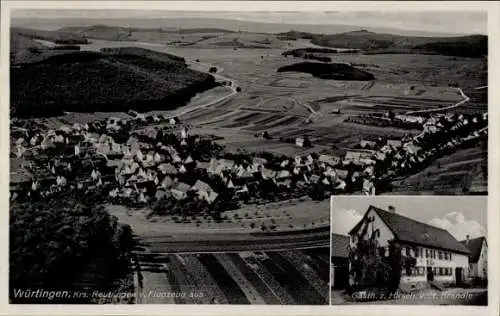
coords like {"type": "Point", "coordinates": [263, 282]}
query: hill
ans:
{"type": "Point", "coordinates": [117, 79]}
{"type": "Point", "coordinates": [118, 33]}
{"type": "Point", "coordinates": [26, 45]}
{"type": "Point", "coordinates": [464, 46]}
{"type": "Point", "coordinates": [57, 37]}
{"type": "Point", "coordinates": [329, 71]}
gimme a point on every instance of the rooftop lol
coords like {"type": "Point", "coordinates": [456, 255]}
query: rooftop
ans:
{"type": "Point", "coordinates": [411, 231]}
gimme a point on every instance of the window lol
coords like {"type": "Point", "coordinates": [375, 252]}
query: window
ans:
{"type": "Point", "coordinates": [421, 252]}
{"type": "Point", "coordinates": [445, 256]}
{"type": "Point", "coordinates": [408, 251]}
{"type": "Point", "coordinates": [416, 252]}
{"type": "Point", "coordinates": [440, 271]}
{"type": "Point", "coordinates": [440, 255]}
{"type": "Point", "coordinates": [449, 256]}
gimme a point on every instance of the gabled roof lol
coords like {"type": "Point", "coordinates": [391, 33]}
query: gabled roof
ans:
{"type": "Point", "coordinates": [181, 186]}
{"type": "Point", "coordinates": [201, 186]}
{"type": "Point", "coordinates": [474, 245]}
{"type": "Point", "coordinates": [340, 246]}
{"type": "Point", "coordinates": [414, 232]}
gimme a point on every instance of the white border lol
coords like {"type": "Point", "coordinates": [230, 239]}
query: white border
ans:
{"type": "Point", "coordinates": [494, 172]}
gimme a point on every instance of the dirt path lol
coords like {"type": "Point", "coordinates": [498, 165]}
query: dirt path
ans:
{"type": "Point", "coordinates": [466, 99]}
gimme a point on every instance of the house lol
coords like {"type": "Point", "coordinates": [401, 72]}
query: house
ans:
{"type": "Point", "coordinates": [283, 174]}
{"type": "Point", "coordinates": [204, 191]}
{"type": "Point", "coordinates": [478, 258]}
{"type": "Point", "coordinates": [394, 143]}
{"type": "Point", "coordinates": [158, 158]}
{"type": "Point", "coordinates": [438, 255]}
{"type": "Point", "coordinates": [367, 144]}
{"type": "Point", "coordinates": [267, 173]}
{"type": "Point", "coordinates": [77, 150]}
{"type": "Point", "coordinates": [298, 160]}
{"type": "Point", "coordinates": [368, 187]}
{"type": "Point", "coordinates": [284, 163]}
{"type": "Point", "coordinates": [356, 155]}
{"type": "Point", "coordinates": [286, 183]}
{"type": "Point", "coordinates": [184, 133]}
{"type": "Point", "coordinates": [257, 161]}
{"type": "Point", "coordinates": [314, 178]}
{"type": "Point", "coordinates": [309, 160]}
{"type": "Point", "coordinates": [341, 185]}
{"type": "Point", "coordinates": [329, 160]}
{"type": "Point", "coordinates": [411, 148]}
{"type": "Point", "coordinates": [299, 141]}
{"type": "Point", "coordinates": [180, 190]}
{"type": "Point", "coordinates": [380, 156]}
{"type": "Point", "coordinates": [369, 170]}
{"type": "Point", "coordinates": [182, 169]}
{"type": "Point", "coordinates": [339, 261]}
{"type": "Point", "coordinates": [188, 160]}
{"type": "Point", "coordinates": [342, 173]}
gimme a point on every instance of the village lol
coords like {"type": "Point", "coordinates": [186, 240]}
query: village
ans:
{"type": "Point", "coordinates": [153, 158]}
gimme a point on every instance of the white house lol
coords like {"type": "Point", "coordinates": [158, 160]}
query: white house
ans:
{"type": "Point", "coordinates": [299, 141]}
{"type": "Point", "coordinates": [438, 255]}
{"type": "Point", "coordinates": [478, 259]}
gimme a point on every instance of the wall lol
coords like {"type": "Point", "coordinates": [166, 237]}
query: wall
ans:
{"type": "Point", "coordinates": [457, 260]}
{"type": "Point", "coordinates": [482, 264]}
{"type": "Point", "coordinates": [385, 232]}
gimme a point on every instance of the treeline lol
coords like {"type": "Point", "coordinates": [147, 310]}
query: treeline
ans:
{"type": "Point", "coordinates": [61, 245]}
{"type": "Point", "coordinates": [329, 71]}
{"type": "Point", "coordinates": [117, 80]}
{"type": "Point", "coordinates": [379, 43]}
{"type": "Point", "coordinates": [460, 49]}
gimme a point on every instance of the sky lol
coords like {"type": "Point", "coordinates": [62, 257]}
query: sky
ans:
{"type": "Point", "coordinates": [460, 215]}
{"type": "Point", "coordinates": [460, 22]}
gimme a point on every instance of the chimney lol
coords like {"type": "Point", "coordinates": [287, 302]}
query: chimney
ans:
{"type": "Point", "coordinates": [391, 209]}
{"type": "Point", "coordinates": [467, 239]}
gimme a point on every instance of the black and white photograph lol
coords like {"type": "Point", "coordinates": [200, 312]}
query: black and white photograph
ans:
{"type": "Point", "coordinates": [413, 250]}
{"type": "Point", "coordinates": [162, 156]}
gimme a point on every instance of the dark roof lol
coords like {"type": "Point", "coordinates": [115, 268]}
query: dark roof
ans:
{"type": "Point", "coordinates": [340, 246]}
{"type": "Point", "coordinates": [474, 245]}
{"type": "Point", "coordinates": [412, 231]}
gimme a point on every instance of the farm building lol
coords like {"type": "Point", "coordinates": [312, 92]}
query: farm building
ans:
{"type": "Point", "coordinates": [478, 259]}
{"type": "Point", "coordinates": [438, 255]}
{"type": "Point", "coordinates": [339, 261]}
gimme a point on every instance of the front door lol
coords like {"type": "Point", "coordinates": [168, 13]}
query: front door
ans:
{"type": "Point", "coordinates": [430, 274]}
{"type": "Point", "coordinates": [458, 275]}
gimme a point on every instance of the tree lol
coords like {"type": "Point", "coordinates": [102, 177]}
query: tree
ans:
{"type": "Point", "coordinates": [370, 268]}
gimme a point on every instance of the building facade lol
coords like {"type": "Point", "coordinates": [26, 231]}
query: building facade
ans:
{"type": "Point", "coordinates": [478, 259]}
{"type": "Point", "coordinates": [436, 254]}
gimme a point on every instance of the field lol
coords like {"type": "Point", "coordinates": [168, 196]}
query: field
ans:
{"type": "Point", "coordinates": [462, 171]}
{"type": "Point", "coordinates": [287, 216]}
{"type": "Point", "coordinates": [285, 277]}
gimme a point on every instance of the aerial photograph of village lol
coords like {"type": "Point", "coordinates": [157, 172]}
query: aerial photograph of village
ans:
{"type": "Point", "coordinates": [188, 157]}
{"type": "Point", "coordinates": [410, 250]}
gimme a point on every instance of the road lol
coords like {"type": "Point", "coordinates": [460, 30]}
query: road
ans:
{"type": "Point", "coordinates": [187, 109]}
{"type": "Point", "coordinates": [466, 99]}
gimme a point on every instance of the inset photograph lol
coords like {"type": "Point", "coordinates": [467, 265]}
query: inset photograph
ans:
{"type": "Point", "coordinates": [409, 250]}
